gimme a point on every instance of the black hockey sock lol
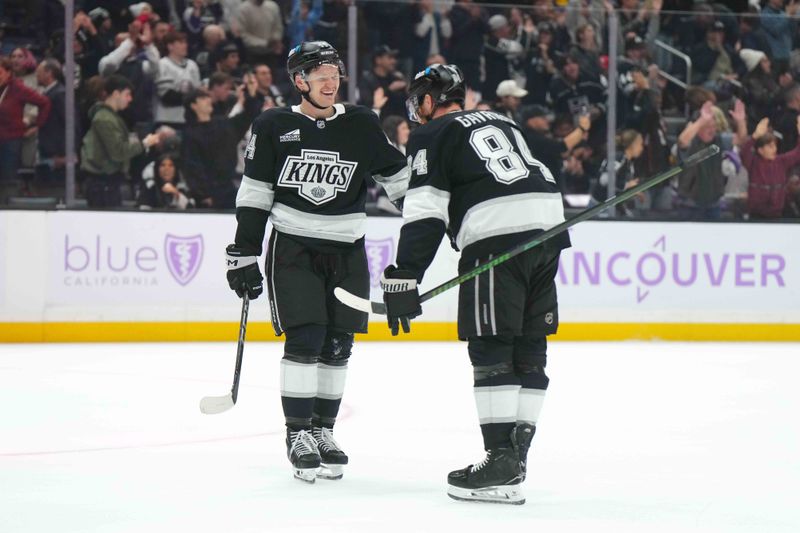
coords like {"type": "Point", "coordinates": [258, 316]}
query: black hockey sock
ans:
{"type": "Point", "coordinates": [497, 435]}
{"type": "Point", "coordinates": [325, 412]}
{"type": "Point", "coordinates": [297, 412]}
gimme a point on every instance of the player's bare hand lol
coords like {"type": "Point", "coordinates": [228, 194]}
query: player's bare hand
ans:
{"type": "Point", "coordinates": [585, 121]}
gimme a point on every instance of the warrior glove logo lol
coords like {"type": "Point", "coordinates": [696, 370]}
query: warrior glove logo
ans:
{"type": "Point", "coordinates": [317, 175]}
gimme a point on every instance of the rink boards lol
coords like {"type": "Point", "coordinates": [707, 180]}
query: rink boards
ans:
{"type": "Point", "coordinates": [93, 276]}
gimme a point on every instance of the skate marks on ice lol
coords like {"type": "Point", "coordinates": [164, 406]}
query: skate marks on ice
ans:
{"type": "Point", "coordinates": [634, 437]}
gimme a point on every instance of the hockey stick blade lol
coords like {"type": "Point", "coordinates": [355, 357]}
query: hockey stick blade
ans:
{"type": "Point", "coordinates": [359, 304]}
{"type": "Point", "coordinates": [212, 405]}
{"type": "Point", "coordinates": [379, 308]}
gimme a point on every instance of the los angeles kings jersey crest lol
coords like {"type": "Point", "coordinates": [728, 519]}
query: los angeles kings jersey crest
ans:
{"type": "Point", "coordinates": [311, 174]}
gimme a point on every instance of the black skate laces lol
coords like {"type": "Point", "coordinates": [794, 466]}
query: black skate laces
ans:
{"type": "Point", "coordinates": [303, 443]}
{"type": "Point", "coordinates": [325, 440]}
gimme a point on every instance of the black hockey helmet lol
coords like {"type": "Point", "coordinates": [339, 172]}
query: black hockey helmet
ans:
{"type": "Point", "coordinates": [445, 83]}
{"type": "Point", "coordinates": [310, 54]}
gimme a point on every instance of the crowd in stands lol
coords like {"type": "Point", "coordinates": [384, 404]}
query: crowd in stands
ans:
{"type": "Point", "coordinates": [166, 91]}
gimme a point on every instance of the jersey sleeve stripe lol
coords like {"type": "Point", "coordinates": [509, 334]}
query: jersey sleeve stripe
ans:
{"type": "Point", "coordinates": [510, 214]}
{"type": "Point", "coordinates": [340, 228]}
{"type": "Point", "coordinates": [426, 202]}
{"type": "Point", "coordinates": [395, 185]}
{"type": "Point", "coordinates": [255, 194]}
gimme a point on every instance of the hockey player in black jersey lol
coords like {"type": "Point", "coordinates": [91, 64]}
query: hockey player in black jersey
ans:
{"type": "Point", "coordinates": [306, 169]}
{"type": "Point", "coordinates": [474, 178]}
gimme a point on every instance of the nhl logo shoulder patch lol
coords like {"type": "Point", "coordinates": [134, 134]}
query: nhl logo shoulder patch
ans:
{"type": "Point", "coordinates": [318, 175]}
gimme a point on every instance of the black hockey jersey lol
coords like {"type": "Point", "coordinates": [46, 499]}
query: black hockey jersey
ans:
{"type": "Point", "coordinates": [310, 175]}
{"type": "Point", "coordinates": [473, 173]}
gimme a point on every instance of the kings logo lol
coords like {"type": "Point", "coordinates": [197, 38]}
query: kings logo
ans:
{"type": "Point", "coordinates": [317, 175]}
{"type": "Point", "coordinates": [379, 255]}
{"type": "Point", "coordinates": [184, 255]}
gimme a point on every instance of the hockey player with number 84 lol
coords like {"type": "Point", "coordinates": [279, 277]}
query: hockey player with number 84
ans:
{"type": "Point", "coordinates": [474, 177]}
{"type": "Point", "coordinates": [306, 169]}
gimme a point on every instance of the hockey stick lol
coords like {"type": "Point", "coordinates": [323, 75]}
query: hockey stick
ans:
{"type": "Point", "coordinates": [212, 405]}
{"type": "Point", "coordinates": [379, 308]}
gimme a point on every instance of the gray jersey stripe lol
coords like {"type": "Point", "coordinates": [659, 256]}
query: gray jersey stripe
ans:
{"type": "Point", "coordinates": [498, 420]}
{"type": "Point", "coordinates": [276, 316]}
{"type": "Point", "coordinates": [491, 299]}
{"type": "Point", "coordinates": [477, 304]}
{"type": "Point", "coordinates": [497, 388]}
{"type": "Point", "coordinates": [293, 394]}
{"type": "Point", "coordinates": [340, 228]}
{"type": "Point", "coordinates": [395, 185]}
{"type": "Point", "coordinates": [329, 396]}
{"type": "Point", "coordinates": [510, 214]}
{"type": "Point", "coordinates": [533, 392]}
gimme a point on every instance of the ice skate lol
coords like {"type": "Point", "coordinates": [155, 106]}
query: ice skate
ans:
{"type": "Point", "coordinates": [332, 457]}
{"type": "Point", "coordinates": [521, 437]}
{"type": "Point", "coordinates": [302, 450]}
{"type": "Point", "coordinates": [496, 479]}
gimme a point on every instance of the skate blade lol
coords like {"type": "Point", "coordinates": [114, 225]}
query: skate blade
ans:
{"type": "Point", "coordinates": [309, 475]}
{"type": "Point", "coordinates": [507, 494]}
{"type": "Point", "coordinates": [330, 471]}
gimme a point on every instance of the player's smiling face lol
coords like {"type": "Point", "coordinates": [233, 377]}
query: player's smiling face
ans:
{"type": "Point", "coordinates": [323, 82]}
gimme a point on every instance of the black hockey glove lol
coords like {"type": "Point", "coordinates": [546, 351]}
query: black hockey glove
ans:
{"type": "Point", "coordinates": [243, 273]}
{"type": "Point", "coordinates": [401, 297]}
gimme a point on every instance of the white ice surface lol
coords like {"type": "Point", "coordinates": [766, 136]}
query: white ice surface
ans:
{"type": "Point", "coordinates": [634, 437]}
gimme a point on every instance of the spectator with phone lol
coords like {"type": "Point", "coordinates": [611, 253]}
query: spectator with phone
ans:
{"type": "Point", "coordinates": [574, 93]}
{"type": "Point", "coordinates": [629, 147]}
